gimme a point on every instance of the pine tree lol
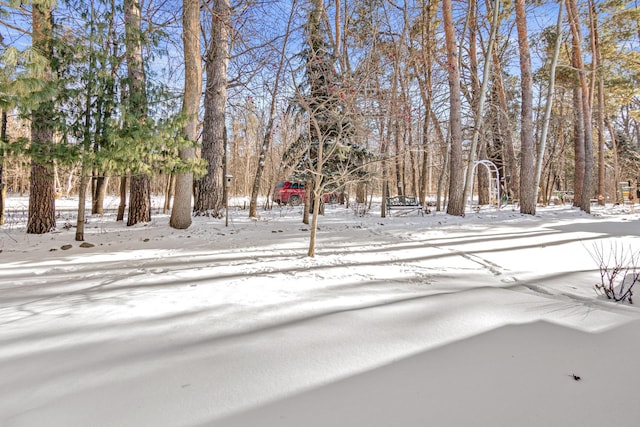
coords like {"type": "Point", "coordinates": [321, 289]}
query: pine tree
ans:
{"type": "Point", "coordinates": [42, 216]}
{"type": "Point", "coordinates": [328, 155]}
{"type": "Point", "coordinates": [140, 193]}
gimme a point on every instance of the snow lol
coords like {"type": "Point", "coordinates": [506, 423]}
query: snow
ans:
{"type": "Point", "coordinates": [400, 321]}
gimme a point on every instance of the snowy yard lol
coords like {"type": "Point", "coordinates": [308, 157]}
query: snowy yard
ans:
{"type": "Point", "coordinates": [487, 320]}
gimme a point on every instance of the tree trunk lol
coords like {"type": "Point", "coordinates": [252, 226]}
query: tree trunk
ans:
{"type": "Point", "coordinates": [3, 185]}
{"type": "Point", "coordinates": [105, 107]}
{"type": "Point", "coordinates": [123, 197]}
{"type": "Point", "coordinates": [422, 63]}
{"type": "Point", "coordinates": [85, 167]}
{"type": "Point", "coordinates": [3, 199]}
{"type": "Point", "coordinates": [139, 202]}
{"type": "Point", "coordinates": [169, 190]}
{"type": "Point", "coordinates": [474, 98]}
{"type": "Point", "coordinates": [616, 165]}
{"type": "Point", "coordinates": [181, 213]}
{"type": "Point", "coordinates": [527, 159]}
{"type": "Point", "coordinates": [479, 97]}
{"type": "Point", "coordinates": [424, 176]}
{"type": "Point", "coordinates": [597, 76]}
{"type": "Point", "coordinates": [445, 143]}
{"type": "Point", "coordinates": [82, 198]}
{"type": "Point", "coordinates": [316, 193]}
{"type": "Point", "coordinates": [268, 133]}
{"type": "Point", "coordinates": [510, 174]}
{"type": "Point", "coordinates": [578, 144]}
{"type": "Point", "coordinates": [140, 191]}
{"type": "Point", "coordinates": [42, 216]}
{"type": "Point", "coordinates": [455, 205]}
{"type": "Point", "coordinates": [550, 91]}
{"type": "Point", "coordinates": [99, 192]}
{"type": "Point", "coordinates": [574, 20]}
{"type": "Point", "coordinates": [307, 202]}
{"type": "Point", "coordinates": [210, 188]}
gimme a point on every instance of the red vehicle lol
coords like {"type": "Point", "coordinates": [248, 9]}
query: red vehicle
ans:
{"type": "Point", "coordinates": [292, 193]}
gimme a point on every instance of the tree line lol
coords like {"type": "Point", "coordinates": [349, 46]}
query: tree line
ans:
{"type": "Point", "coordinates": [370, 97]}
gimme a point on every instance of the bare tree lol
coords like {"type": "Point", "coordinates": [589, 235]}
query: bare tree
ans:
{"type": "Point", "coordinates": [268, 133]}
{"type": "Point", "coordinates": [3, 184]}
{"type": "Point", "coordinates": [181, 213]}
{"type": "Point", "coordinates": [597, 76]}
{"type": "Point", "coordinates": [503, 132]}
{"type": "Point", "coordinates": [587, 137]}
{"type": "Point", "coordinates": [481, 97]}
{"type": "Point", "coordinates": [455, 205]}
{"type": "Point", "coordinates": [209, 194]}
{"type": "Point", "coordinates": [527, 158]}
{"type": "Point", "coordinates": [550, 90]}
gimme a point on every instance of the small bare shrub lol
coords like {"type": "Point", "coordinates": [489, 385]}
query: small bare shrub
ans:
{"type": "Point", "coordinates": [359, 209]}
{"type": "Point", "coordinates": [619, 271]}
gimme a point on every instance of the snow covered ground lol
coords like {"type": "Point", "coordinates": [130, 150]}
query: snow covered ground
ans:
{"type": "Point", "coordinates": [487, 320]}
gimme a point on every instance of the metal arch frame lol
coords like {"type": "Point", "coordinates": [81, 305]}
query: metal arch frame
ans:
{"type": "Point", "coordinates": [487, 164]}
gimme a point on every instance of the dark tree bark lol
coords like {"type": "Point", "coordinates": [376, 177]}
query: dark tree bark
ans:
{"type": "Point", "coordinates": [140, 192]}
{"type": "Point", "coordinates": [104, 108]}
{"type": "Point", "coordinates": [510, 173]}
{"type": "Point", "coordinates": [124, 183]}
{"type": "Point", "coordinates": [210, 188]}
{"type": "Point", "coordinates": [595, 40]}
{"type": "Point", "coordinates": [527, 146]}
{"type": "Point", "coordinates": [455, 205]}
{"type": "Point", "coordinates": [139, 202]}
{"type": "Point", "coordinates": [585, 101]}
{"type": "Point", "coordinates": [578, 107]}
{"type": "Point", "coordinates": [3, 185]}
{"type": "Point", "coordinates": [99, 190]}
{"type": "Point", "coordinates": [423, 63]}
{"type": "Point", "coordinates": [42, 216]}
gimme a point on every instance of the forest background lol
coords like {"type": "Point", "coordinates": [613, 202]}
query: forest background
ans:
{"type": "Point", "coordinates": [208, 99]}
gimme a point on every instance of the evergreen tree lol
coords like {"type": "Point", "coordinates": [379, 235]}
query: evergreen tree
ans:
{"type": "Point", "coordinates": [140, 192]}
{"type": "Point", "coordinates": [42, 217]}
{"type": "Point", "coordinates": [328, 155]}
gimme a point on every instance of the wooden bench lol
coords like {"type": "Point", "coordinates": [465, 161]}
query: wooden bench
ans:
{"type": "Point", "coordinates": [404, 204]}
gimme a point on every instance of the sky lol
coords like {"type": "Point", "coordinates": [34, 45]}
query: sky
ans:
{"type": "Point", "coordinates": [491, 319]}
